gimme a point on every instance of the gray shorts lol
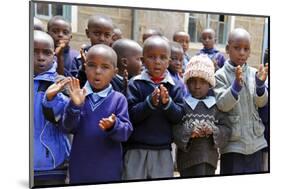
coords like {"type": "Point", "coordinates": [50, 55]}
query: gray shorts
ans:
{"type": "Point", "coordinates": [147, 164]}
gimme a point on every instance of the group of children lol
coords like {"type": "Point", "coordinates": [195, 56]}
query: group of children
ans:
{"type": "Point", "coordinates": [125, 104]}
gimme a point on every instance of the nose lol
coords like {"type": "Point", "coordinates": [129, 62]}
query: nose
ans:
{"type": "Point", "coordinates": [98, 70]}
{"type": "Point", "coordinates": [60, 34]}
{"type": "Point", "coordinates": [102, 37]}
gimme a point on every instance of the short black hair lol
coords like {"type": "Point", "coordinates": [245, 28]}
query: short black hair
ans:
{"type": "Point", "coordinates": [55, 18]}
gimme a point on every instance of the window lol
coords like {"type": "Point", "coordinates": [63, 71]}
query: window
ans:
{"type": "Point", "coordinates": [198, 22]}
{"type": "Point", "coordinates": [46, 11]}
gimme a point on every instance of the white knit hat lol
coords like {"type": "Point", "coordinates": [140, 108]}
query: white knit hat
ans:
{"type": "Point", "coordinates": [200, 66]}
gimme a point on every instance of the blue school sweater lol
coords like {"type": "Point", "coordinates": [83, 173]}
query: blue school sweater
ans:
{"type": "Point", "coordinates": [152, 125]}
{"type": "Point", "coordinates": [96, 155]}
{"type": "Point", "coordinates": [214, 54]}
{"type": "Point", "coordinates": [179, 81]}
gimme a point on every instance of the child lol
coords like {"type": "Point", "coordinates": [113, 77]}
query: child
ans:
{"type": "Point", "coordinates": [98, 117]}
{"type": "Point", "coordinates": [208, 39]}
{"type": "Point", "coordinates": [129, 54]}
{"type": "Point", "coordinates": [175, 65]}
{"type": "Point", "coordinates": [117, 34]}
{"type": "Point", "coordinates": [51, 147]}
{"type": "Point", "coordinates": [38, 24]}
{"type": "Point", "coordinates": [264, 115]}
{"type": "Point", "coordinates": [240, 91]}
{"type": "Point", "coordinates": [60, 30]}
{"type": "Point", "coordinates": [201, 130]}
{"type": "Point", "coordinates": [155, 103]}
{"type": "Point", "coordinates": [183, 38]}
{"type": "Point", "coordinates": [150, 32]}
{"type": "Point", "coordinates": [99, 30]}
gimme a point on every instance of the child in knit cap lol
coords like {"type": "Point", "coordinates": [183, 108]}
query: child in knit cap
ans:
{"type": "Point", "coordinates": [202, 129]}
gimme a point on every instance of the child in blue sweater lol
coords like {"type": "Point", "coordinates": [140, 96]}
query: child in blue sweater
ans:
{"type": "Point", "coordinates": [98, 118]}
{"type": "Point", "coordinates": [155, 104]}
{"type": "Point", "coordinates": [208, 39]}
{"type": "Point", "coordinates": [51, 147]}
{"type": "Point", "coordinates": [60, 30]}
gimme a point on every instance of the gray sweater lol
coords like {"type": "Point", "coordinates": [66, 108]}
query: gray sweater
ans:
{"type": "Point", "coordinates": [246, 126]}
{"type": "Point", "coordinates": [194, 151]}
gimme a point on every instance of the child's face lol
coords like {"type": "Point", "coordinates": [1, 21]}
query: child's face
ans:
{"type": "Point", "coordinates": [183, 40]}
{"type": "Point", "coordinates": [239, 50]}
{"type": "Point", "coordinates": [208, 39]}
{"type": "Point", "coordinates": [134, 63]}
{"type": "Point", "coordinates": [43, 56]}
{"type": "Point", "coordinates": [156, 60]}
{"type": "Point", "coordinates": [176, 61]}
{"type": "Point", "coordinates": [100, 33]}
{"type": "Point", "coordinates": [99, 70]}
{"type": "Point", "coordinates": [198, 87]}
{"type": "Point", "coordinates": [60, 32]}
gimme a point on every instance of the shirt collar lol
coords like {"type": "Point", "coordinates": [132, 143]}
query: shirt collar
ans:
{"type": "Point", "coordinates": [119, 76]}
{"type": "Point", "coordinates": [209, 101]}
{"type": "Point", "coordinates": [48, 75]}
{"type": "Point", "coordinates": [101, 94]}
{"type": "Point", "coordinates": [144, 76]}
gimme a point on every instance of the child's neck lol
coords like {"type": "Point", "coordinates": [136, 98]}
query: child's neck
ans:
{"type": "Point", "coordinates": [98, 90]}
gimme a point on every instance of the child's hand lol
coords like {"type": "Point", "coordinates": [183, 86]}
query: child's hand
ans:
{"type": "Point", "coordinates": [262, 72]}
{"type": "Point", "coordinates": [60, 48]}
{"type": "Point", "coordinates": [125, 79]}
{"type": "Point", "coordinates": [164, 95]}
{"type": "Point", "coordinates": [198, 132]}
{"type": "Point", "coordinates": [107, 123]}
{"type": "Point", "coordinates": [83, 55]}
{"type": "Point", "coordinates": [155, 97]}
{"type": "Point", "coordinates": [55, 88]}
{"type": "Point", "coordinates": [76, 94]}
{"type": "Point", "coordinates": [83, 58]}
{"type": "Point", "coordinates": [239, 76]}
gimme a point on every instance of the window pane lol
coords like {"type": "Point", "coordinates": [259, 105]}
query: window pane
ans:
{"type": "Point", "coordinates": [221, 33]}
{"type": "Point", "coordinates": [57, 9]}
{"type": "Point", "coordinates": [43, 9]}
{"type": "Point", "coordinates": [192, 29]}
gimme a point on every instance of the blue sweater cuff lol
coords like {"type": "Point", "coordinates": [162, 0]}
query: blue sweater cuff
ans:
{"type": "Point", "coordinates": [166, 107]}
{"type": "Point", "coordinates": [74, 108]}
{"type": "Point", "coordinates": [260, 87]}
{"type": "Point", "coordinates": [235, 89]}
{"type": "Point", "coordinates": [259, 83]}
{"type": "Point", "coordinates": [149, 103]}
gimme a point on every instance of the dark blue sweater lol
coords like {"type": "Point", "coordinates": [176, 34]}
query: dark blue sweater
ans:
{"type": "Point", "coordinates": [96, 155]}
{"type": "Point", "coordinates": [152, 125]}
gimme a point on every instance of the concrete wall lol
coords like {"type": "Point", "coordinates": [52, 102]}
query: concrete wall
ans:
{"type": "Point", "coordinates": [166, 21]}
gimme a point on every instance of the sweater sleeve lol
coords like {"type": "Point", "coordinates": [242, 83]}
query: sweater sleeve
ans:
{"type": "Point", "coordinates": [261, 95]}
{"type": "Point", "coordinates": [139, 109]}
{"type": "Point", "coordinates": [71, 117]}
{"type": "Point", "coordinates": [53, 109]}
{"type": "Point", "coordinates": [225, 99]}
{"type": "Point", "coordinates": [182, 134]}
{"type": "Point", "coordinates": [123, 127]}
{"type": "Point", "coordinates": [221, 130]}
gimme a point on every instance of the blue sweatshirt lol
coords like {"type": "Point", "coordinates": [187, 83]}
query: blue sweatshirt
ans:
{"type": "Point", "coordinates": [51, 146]}
{"type": "Point", "coordinates": [152, 125]}
{"type": "Point", "coordinates": [214, 54]}
{"type": "Point", "coordinates": [96, 155]}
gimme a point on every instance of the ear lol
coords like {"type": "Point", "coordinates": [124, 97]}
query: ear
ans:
{"type": "Point", "coordinates": [116, 71]}
{"type": "Point", "coordinates": [71, 36]}
{"type": "Point", "coordinates": [124, 62]}
{"type": "Point", "coordinates": [87, 32]}
{"type": "Point", "coordinates": [227, 48]}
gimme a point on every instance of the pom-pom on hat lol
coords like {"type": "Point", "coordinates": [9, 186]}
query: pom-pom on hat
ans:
{"type": "Point", "coordinates": [200, 66]}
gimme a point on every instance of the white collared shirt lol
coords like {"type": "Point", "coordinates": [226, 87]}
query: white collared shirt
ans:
{"type": "Point", "coordinates": [209, 101]}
